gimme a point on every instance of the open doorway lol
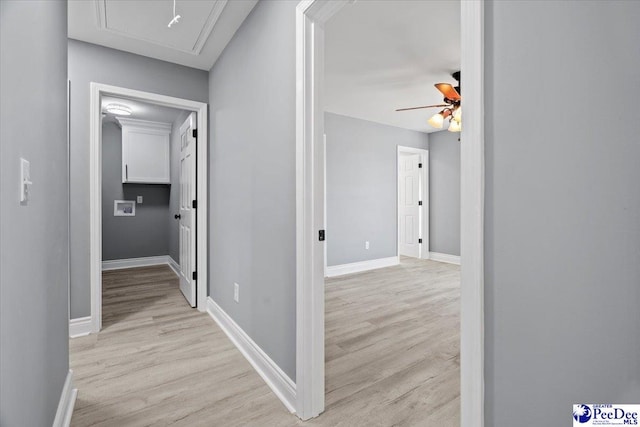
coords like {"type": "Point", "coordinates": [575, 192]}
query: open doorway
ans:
{"type": "Point", "coordinates": [311, 19]}
{"type": "Point", "coordinates": [144, 164]}
{"type": "Point", "coordinates": [391, 315]}
{"type": "Point", "coordinates": [148, 184]}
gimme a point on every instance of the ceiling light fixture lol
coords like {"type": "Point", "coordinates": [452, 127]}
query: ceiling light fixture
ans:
{"type": "Point", "coordinates": [454, 126]}
{"type": "Point", "coordinates": [118, 109]}
{"type": "Point", "coordinates": [437, 120]}
{"type": "Point", "coordinates": [175, 17]}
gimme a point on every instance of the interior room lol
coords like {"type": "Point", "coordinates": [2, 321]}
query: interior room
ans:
{"type": "Point", "coordinates": [141, 146]}
{"type": "Point", "coordinates": [392, 212]}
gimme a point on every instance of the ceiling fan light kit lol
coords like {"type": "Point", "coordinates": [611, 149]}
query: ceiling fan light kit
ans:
{"type": "Point", "coordinates": [452, 104]}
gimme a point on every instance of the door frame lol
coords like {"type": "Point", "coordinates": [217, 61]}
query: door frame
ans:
{"type": "Point", "coordinates": [97, 91]}
{"type": "Point", "coordinates": [310, 18]}
{"type": "Point", "coordinates": [424, 185]}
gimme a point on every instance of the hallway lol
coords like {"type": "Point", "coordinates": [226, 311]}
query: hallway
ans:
{"type": "Point", "coordinates": [392, 355]}
{"type": "Point", "coordinates": [159, 362]}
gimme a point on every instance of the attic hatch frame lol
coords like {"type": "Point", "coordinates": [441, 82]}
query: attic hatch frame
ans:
{"type": "Point", "coordinates": [310, 18]}
{"type": "Point", "coordinates": [97, 91]}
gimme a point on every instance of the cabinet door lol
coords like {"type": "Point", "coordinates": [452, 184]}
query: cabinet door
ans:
{"type": "Point", "coordinates": [145, 156]}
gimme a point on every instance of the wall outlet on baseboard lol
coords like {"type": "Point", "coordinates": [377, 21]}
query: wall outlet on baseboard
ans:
{"type": "Point", "coordinates": [366, 245]}
{"type": "Point", "coordinates": [236, 292]}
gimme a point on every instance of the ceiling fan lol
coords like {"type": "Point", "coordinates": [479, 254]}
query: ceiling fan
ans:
{"type": "Point", "coordinates": [452, 110]}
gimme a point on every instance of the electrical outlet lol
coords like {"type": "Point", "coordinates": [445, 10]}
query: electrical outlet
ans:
{"type": "Point", "coordinates": [366, 245]}
{"type": "Point", "coordinates": [236, 292]}
{"type": "Point", "coordinates": [139, 200]}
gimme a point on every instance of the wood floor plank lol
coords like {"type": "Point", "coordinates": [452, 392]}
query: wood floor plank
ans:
{"type": "Point", "coordinates": [392, 355]}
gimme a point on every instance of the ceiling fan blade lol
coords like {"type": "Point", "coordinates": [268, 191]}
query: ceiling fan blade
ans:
{"type": "Point", "coordinates": [448, 91]}
{"type": "Point", "coordinates": [426, 106]}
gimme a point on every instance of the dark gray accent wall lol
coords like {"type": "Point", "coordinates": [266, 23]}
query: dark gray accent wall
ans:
{"type": "Point", "coordinates": [562, 248]}
{"type": "Point", "coordinates": [362, 187]}
{"type": "Point", "coordinates": [92, 63]}
{"type": "Point", "coordinates": [174, 197]}
{"type": "Point", "coordinates": [34, 244]}
{"type": "Point", "coordinates": [145, 234]}
{"type": "Point", "coordinates": [444, 192]}
{"type": "Point", "coordinates": [252, 180]}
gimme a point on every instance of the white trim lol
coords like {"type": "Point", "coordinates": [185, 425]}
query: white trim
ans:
{"type": "Point", "coordinates": [174, 265]}
{"type": "Point", "coordinates": [203, 36]}
{"type": "Point", "coordinates": [310, 17]}
{"type": "Point", "coordinates": [440, 257]}
{"type": "Point", "coordinates": [162, 127]}
{"type": "Point", "coordinates": [423, 252]}
{"type": "Point", "coordinates": [80, 327]}
{"type": "Point", "coordinates": [117, 264]}
{"type": "Point", "coordinates": [66, 403]}
{"type": "Point", "coordinates": [472, 216]}
{"type": "Point", "coordinates": [275, 378]}
{"type": "Point", "coordinates": [357, 267]}
{"type": "Point", "coordinates": [97, 91]}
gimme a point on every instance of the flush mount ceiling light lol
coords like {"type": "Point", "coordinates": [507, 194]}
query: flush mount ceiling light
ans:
{"type": "Point", "coordinates": [118, 109]}
{"type": "Point", "coordinates": [452, 104]}
{"type": "Point", "coordinates": [175, 17]}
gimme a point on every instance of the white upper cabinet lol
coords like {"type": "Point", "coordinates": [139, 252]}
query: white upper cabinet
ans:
{"type": "Point", "coordinates": [145, 151]}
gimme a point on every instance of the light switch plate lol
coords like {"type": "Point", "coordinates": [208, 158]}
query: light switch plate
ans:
{"type": "Point", "coordinates": [25, 180]}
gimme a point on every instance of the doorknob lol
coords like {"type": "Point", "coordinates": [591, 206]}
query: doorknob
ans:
{"type": "Point", "coordinates": [177, 216]}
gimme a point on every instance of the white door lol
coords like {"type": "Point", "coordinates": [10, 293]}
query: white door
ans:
{"type": "Point", "coordinates": [188, 209]}
{"type": "Point", "coordinates": [409, 208]}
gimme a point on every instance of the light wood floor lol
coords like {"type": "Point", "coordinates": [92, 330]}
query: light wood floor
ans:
{"type": "Point", "coordinates": [392, 355]}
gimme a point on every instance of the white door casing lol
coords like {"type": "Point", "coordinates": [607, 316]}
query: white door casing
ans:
{"type": "Point", "coordinates": [408, 207]}
{"type": "Point", "coordinates": [188, 230]}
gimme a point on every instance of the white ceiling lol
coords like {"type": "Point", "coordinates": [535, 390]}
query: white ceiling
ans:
{"type": "Point", "coordinates": [384, 55]}
{"type": "Point", "coordinates": [140, 26]}
{"type": "Point", "coordinates": [141, 110]}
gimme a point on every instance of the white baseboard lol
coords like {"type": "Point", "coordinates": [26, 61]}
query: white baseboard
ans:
{"type": "Point", "coordinates": [174, 265]}
{"type": "Point", "coordinates": [451, 259]}
{"type": "Point", "coordinates": [66, 403]}
{"type": "Point", "coordinates": [80, 327]}
{"type": "Point", "coordinates": [276, 379]}
{"type": "Point", "coordinates": [117, 264]}
{"type": "Point", "coordinates": [357, 267]}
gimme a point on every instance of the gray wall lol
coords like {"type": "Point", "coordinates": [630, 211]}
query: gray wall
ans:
{"type": "Point", "coordinates": [91, 63]}
{"type": "Point", "coordinates": [143, 235]}
{"type": "Point", "coordinates": [444, 192]}
{"type": "Point", "coordinates": [252, 178]}
{"type": "Point", "coordinates": [562, 208]}
{"type": "Point", "coordinates": [34, 321]}
{"type": "Point", "coordinates": [362, 187]}
{"type": "Point", "coordinates": [174, 197]}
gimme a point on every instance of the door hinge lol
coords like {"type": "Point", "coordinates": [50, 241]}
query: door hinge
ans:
{"type": "Point", "coordinates": [321, 235]}
{"type": "Point", "coordinates": [419, 240]}
{"type": "Point", "coordinates": [194, 133]}
{"type": "Point", "coordinates": [419, 165]}
{"type": "Point", "coordinates": [420, 203]}
{"type": "Point", "coordinates": [194, 204]}
{"type": "Point", "coordinates": [194, 276]}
